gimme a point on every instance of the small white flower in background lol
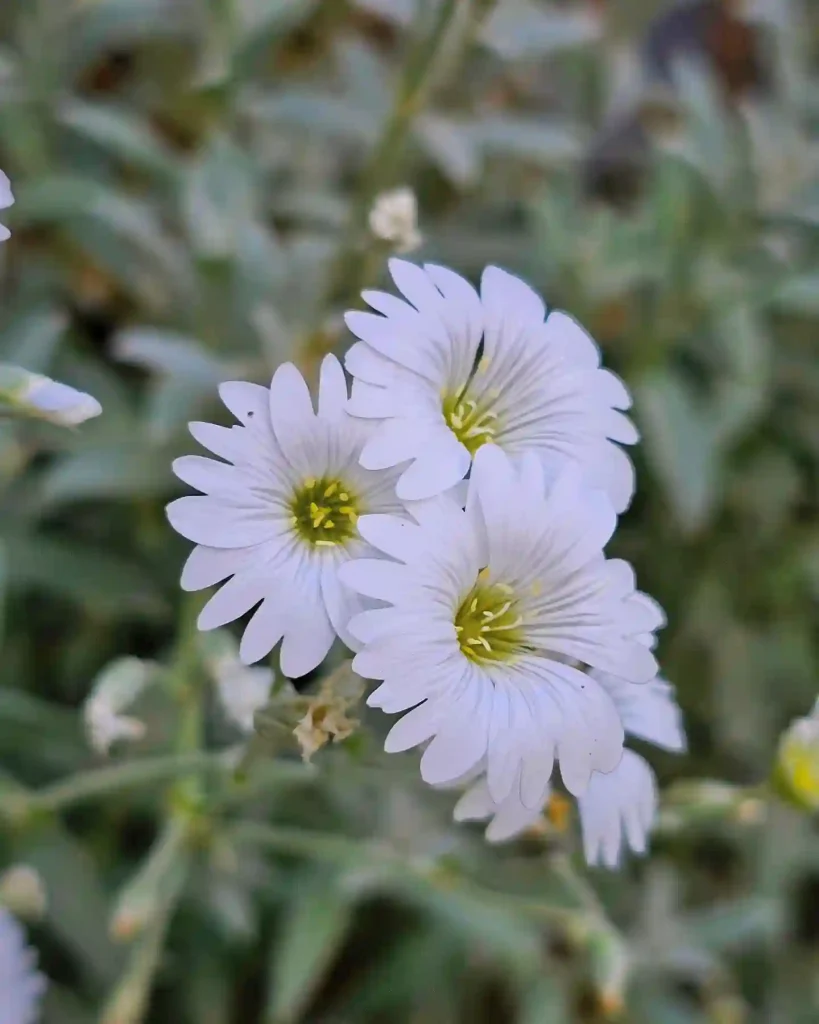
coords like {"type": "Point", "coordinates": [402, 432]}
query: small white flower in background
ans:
{"type": "Point", "coordinates": [492, 611]}
{"type": "Point", "coordinates": [798, 760]}
{"type": "Point", "coordinates": [32, 395]}
{"type": "Point", "coordinates": [6, 200]}
{"type": "Point", "coordinates": [619, 807]}
{"type": "Point", "coordinates": [21, 984]}
{"type": "Point", "coordinates": [279, 515]}
{"type": "Point", "coordinates": [116, 689]}
{"type": "Point", "coordinates": [394, 218]}
{"type": "Point", "coordinates": [23, 892]}
{"type": "Point", "coordinates": [242, 689]}
{"type": "Point", "coordinates": [448, 370]}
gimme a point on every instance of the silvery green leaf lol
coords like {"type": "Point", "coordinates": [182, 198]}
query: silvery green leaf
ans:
{"type": "Point", "coordinates": [451, 145]}
{"type": "Point", "coordinates": [743, 385]}
{"type": "Point", "coordinates": [120, 133]}
{"type": "Point", "coordinates": [77, 911]}
{"type": "Point", "coordinates": [121, 470]}
{"type": "Point", "coordinates": [84, 573]}
{"type": "Point", "coordinates": [33, 338]}
{"type": "Point", "coordinates": [521, 28]}
{"type": "Point", "coordinates": [366, 78]}
{"type": "Point", "coordinates": [680, 444]}
{"type": "Point", "coordinates": [104, 25]}
{"type": "Point", "coordinates": [333, 117]}
{"type": "Point", "coordinates": [528, 138]}
{"type": "Point", "coordinates": [219, 199]}
{"type": "Point", "coordinates": [320, 915]}
{"type": "Point", "coordinates": [169, 352]}
{"type": "Point", "coordinates": [799, 294]}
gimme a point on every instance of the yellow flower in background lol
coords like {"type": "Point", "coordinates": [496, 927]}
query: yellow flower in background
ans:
{"type": "Point", "coordinates": [797, 766]}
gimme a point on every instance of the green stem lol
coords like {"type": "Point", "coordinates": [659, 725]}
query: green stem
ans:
{"type": "Point", "coordinates": [129, 1001]}
{"type": "Point", "coordinates": [309, 843]}
{"type": "Point", "coordinates": [115, 778]}
{"type": "Point", "coordinates": [357, 259]}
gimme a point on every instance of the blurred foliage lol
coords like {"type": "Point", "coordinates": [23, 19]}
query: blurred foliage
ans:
{"type": "Point", "coordinates": [193, 180]}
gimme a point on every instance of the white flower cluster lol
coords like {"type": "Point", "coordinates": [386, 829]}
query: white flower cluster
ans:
{"type": "Point", "coordinates": [448, 521]}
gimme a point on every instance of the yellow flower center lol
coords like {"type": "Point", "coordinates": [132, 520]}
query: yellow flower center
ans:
{"type": "Point", "coordinates": [488, 624]}
{"type": "Point", "coordinates": [324, 512]}
{"type": "Point", "coordinates": [471, 424]}
{"type": "Point", "coordinates": [799, 766]}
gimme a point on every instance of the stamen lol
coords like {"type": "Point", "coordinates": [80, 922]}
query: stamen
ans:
{"type": "Point", "coordinates": [486, 624]}
{"type": "Point", "coordinates": [323, 513]}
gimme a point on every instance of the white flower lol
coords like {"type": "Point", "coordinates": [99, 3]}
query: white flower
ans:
{"type": "Point", "coordinates": [32, 394]}
{"type": "Point", "coordinates": [242, 690]}
{"type": "Point", "coordinates": [448, 371]}
{"type": "Point", "coordinates": [394, 218]}
{"type": "Point", "coordinates": [618, 807]}
{"type": "Point", "coordinates": [116, 688]}
{"type": "Point", "coordinates": [279, 516]}
{"type": "Point", "coordinates": [21, 984]}
{"type": "Point", "coordinates": [491, 608]}
{"type": "Point", "coordinates": [6, 200]}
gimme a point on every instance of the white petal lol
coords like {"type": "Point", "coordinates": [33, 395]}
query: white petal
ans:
{"type": "Point", "coordinates": [476, 804]}
{"type": "Point", "coordinates": [399, 538]}
{"type": "Point", "coordinates": [210, 477]}
{"type": "Point", "coordinates": [617, 809]}
{"type": "Point", "coordinates": [232, 600]}
{"type": "Point", "coordinates": [265, 629]}
{"type": "Point", "coordinates": [575, 344]}
{"type": "Point", "coordinates": [226, 442]}
{"type": "Point", "coordinates": [462, 742]}
{"type": "Point", "coordinates": [212, 523]}
{"type": "Point", "coordinates": [292, 416]}
{"type": "Point", "coordinates": [513, 817]}
{"type": "Point", "coordinates": [340, 602]}
{"type": "Point", "coordinates": [332, 398]}
{"type": "Point", "coordinates": [510, 307]}
{"type": "Point", "coordinates": [435, 471]}
{"type": "Point", "coordinates": [306, 642]}
{"type": "Point", "coordinates": [6, 196]}
{"type": "Point", "coordinates": [246, 401]}
{"type": "Point", "coordinates": [415, 727]}
{"type": "Point", "coordinates": [648, 710]}
{"type": "Point", "coordinates": [385, 581]}
{"type": "Point", "coordinates": [398, 440]}
{"type": "Point", "coordinates": [207, 566]}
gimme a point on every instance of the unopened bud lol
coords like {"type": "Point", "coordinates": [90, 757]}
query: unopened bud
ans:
{"type": "Point", "coordinates": [155, 886]}
{"type": "Point", "coordinates": [33, 396]}
{"type": "Point", "coordinates": [797, 766]}
{"type": "Point", "coordinates": [22, 891]}
{"type": "Point", "coordinates": [394, 218]}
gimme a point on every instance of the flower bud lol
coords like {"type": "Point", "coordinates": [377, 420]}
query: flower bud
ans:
{"type": "Point", "coordinates": [797, 766]}
{"type": "Point", "coordinates": [394, 218]}
{"type": "Point", "coordinates": [34, 396]}
{"type": "Point", "coordinates": [22, 891]}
